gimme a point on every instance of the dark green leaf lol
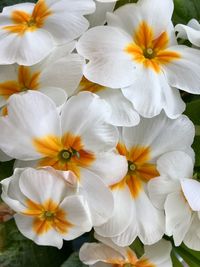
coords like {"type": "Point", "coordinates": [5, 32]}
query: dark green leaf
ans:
{"type": "Point", "coordinates": [191, 257]}
{"type": "Point", "coordinates": [73, 261]}
{"type": "Point", "coordinates": [137, 247]}
{"type": "Point", "coordinates": [185, 10]}
{"type": "Point", "coordinates": [4, 3]}
{"type": "Point", "coordinates": [6, 169]}
{"type": "Point", "coordinates": [17, 251]}
{"type": "Point", "coordinates": [193, 111]}
{"type": "Point", "coordinates": [123, 2]}
{"type": "Point", "coordinates": [175, 261]}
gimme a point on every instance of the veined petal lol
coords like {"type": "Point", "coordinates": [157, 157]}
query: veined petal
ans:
{"type": "Point", "coordinates": [159, 188]}
{"type": "Point", "coordinates": [156, 133]}
{"type": "Point", "coordinates": [4, 157]}
{"type": "Point", "coordinates": [178, 217]}
{"type": "Point", "coordinates": [78, 215]}
{"type": "Point", "coordinates": [176, 165]}
{"type": "Point", "coordinates": [121, 216]}
{"type": "Point", "coordinates": [159, 253]}
{"type": "Point", "coordinates": [91, 253]}
{"type": "Point", "coordinates": [65, 73]}
{"type": "Point", "coordinates": [98, 196]}
{"type": "Point", "coordinates": [51, 186]}
{"type": "Point", "coordinates": [191, 191]}
{"type": "Point", "coordinates": [18, 130]}
{"type": "Point", "coordinates": [67, 21]}
{"type": "Point", "coordinates": [58, 95]}
{"type": "Point", "coordinates": [27, 49]}
{"type": "Point", "coordinates": [192, 238]}
{"type": "Point", "coordinates": [25, 226]}
{"type": "Point", "coordinates": [123, 114]}
{"type": "Point", "coordinates": [96, 135]}
{"type": "Point", "coordinates": [110, 167]}
{"type": "Point", "coordinates": [184, 73]}
{"type": "Point", "coordinates": [109, 65]}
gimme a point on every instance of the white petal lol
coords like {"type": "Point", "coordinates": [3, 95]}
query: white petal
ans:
{"type": "Point", "coordinates": [156, 133]}
{"type": "Point", "coordinates": [123, 114]}
{"type": "Point", "coordinates": [98, 195]}
{"type": "Point", "coordinates": [90, 253]}
{"type": "Point", "coordinates": [77, 214]}
{"type": "Point", "coordinates": [192, 238]}
{"type": "Point", "coordinates": [109, 65]}
{"type": "Point", "coordinates": [25, 226]}
{"type": "Point", "coordinates": [58, 95]}
{"type": "Point", "coordinates": [31, 115]}
{"type": "Point", "coordinates": [146, 92]}
{"type": "Point", "coordinates": [99, 16]}
{"type": "Point", "coordinates": [67, 21]}
{"type": "Point", "coordinates": [121, 216]}
{"type": "Point", "coordinates": [184, 73]}
{"type": "Point", "coordinates": [191, 190]}
{"type": "Point", "coordinates": [147, 223]}
{"type": "Point", "coordinates": [176, 165]}
{"type": "Point", "coordinates": [159, 254]}
{"type": "Point", "coordinates": [27, 49]}
{"type": "Point", "coordinates": [85, 115]}
{"type": "Point", "coordinates": [110, 167]}
{"type": "Point", "coordinates": [178, 217]}
{"type": "Point", "coordinates": [42, 184]}
{"type": "Point", "coordinates": [190, 31]}
{"type": "Point", "coordinates": [159, 188]}
{"type": "Point", "coordinates": [156, 14]}
{"type": "Point", "coordinates": [65, 73]}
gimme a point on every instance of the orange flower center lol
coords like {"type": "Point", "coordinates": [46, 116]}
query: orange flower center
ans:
{"type": "Point", "coordinates": [23, 22]}
{"type": "Point", "coordinates": [150, 51]}
{"type": "Point", "coordinates": [86, 85]}
{"type": "Point", "coordinates": [66, 153]}
{"type": "Point", "coordinates": [27, 80]}
{"type": "Point", "coordinates": [47, 215]}
{"type": "Point", "coordinates": [140, 170]}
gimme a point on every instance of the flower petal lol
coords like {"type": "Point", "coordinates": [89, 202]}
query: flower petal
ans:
{"type": "Point", "coordinates": [191, 190]}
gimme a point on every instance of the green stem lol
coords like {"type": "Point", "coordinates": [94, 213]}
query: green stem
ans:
{"type": "Point", "coordinates": [185, 254]}
{"type": "Point", "coordinates": [197, 130]}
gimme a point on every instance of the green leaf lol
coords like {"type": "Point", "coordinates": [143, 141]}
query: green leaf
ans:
{"type": "Point", "coordinates": [193, 111]}
{"type": "Point", "coordinates": [175, 261]}
{"type": "Point", "coordinates": [123, 2]}
{"type": "Point", "coordinates": [17, 251]}
{"type": "Point", "coordinates": [137, 247]}
{"type": "Point", "coordinates": [191, 257]}
{"type": "Point", "coordinates": [4, 3]}
{"type": "Point", "coordinates": [73, 261]}
{"type": "Point", "coordinates": [185, 10]}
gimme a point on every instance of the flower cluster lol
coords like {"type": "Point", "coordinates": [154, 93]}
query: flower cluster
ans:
{"type": "Point", "coordinates": [92, 114]}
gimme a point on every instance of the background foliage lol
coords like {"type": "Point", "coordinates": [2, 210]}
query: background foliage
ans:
{"type": "Point", "coordinates": [17, 251]}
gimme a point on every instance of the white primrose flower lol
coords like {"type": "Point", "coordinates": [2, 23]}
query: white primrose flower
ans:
{"type": "Point", "coordinates": [107, 254]}
{"type": "Point", "coordinates": [75, 139]}
{"type": "Point", "coordinates": [191, 31]}
{"type": "Point", "coordinates": [61, 69]}
{"type": "Point", "coordinates": [48, 208]}
{"type": "Point", "coordinates": [138, 52]}
{"type": "Point", "coordinates": [29, 32]}
{"type": "Point", "coordinates": [175, 192]}
{"type": "Point", "coordinates": [122, 110]}
{"type": "Point", "coordinates": [134, 213]}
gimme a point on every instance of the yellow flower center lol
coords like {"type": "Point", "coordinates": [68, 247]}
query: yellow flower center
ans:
{"type": "Point", "coordinates": [140, 170]}
{"type": "Point", "coordinates": [149, 50]}
{"type": "Point", "coordinates": [63, 153]}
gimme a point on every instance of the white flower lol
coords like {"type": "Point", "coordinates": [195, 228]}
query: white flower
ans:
{"type": "Point", "coordinates": [122, 112]}
{"type": "Point", "coordinates": [47, 206]}
{"type": "Point", "coordinates": [134, 213]}
{"type": "Point", "coordinates": [108, 254]}
{"type": "Point", "coordinates": [29, 32]}
{"type": "Point", "coordinates": [77, 139]}
{"type": "Point", "coordinates": [61, 69]}
{"type": "Point", "coordinates": [178, 195]}
{"type": "Point", "coordinates": [138, 52]}
{"type": "Point", "coordinates": [191, 31]}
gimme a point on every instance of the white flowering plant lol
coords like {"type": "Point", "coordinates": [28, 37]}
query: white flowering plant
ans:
{"type": "Point", "coordinates": [100, 133]}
